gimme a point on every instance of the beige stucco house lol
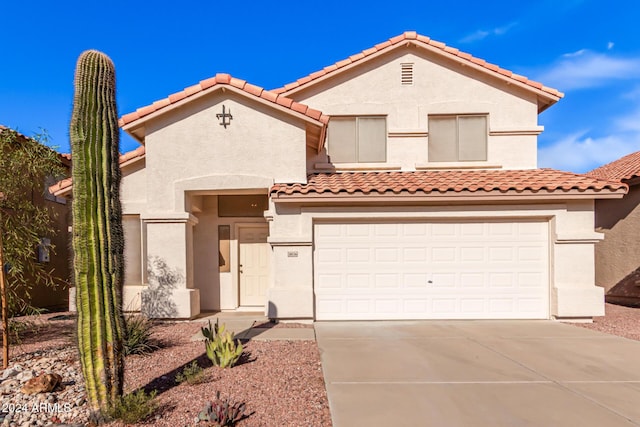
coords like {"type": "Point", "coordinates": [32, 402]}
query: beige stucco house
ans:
{"type": "Point", "coordinates": [399, 183]}
{"type": "Point", "coordinates": [618, 255]}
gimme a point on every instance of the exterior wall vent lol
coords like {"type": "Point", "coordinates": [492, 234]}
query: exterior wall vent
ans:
{"type": "Point", "coordinates": [406, 74]}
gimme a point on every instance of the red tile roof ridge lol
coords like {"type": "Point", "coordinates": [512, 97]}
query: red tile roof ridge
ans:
{"type": "Point", "coordinates": [456, 181]}
{"type": "Point", "coordinates": [222, 79]}
{"type": "Point", "coordinates": [622, 169]}
{"type": "Point", "coordinates": [412, 37]}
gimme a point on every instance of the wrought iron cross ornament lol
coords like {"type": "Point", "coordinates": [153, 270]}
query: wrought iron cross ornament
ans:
{"type": "Point", "coordinates": [225, 118]}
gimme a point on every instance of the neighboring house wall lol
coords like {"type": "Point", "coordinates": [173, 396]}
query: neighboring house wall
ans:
{"type": "Point", "coordinates": [51, 298]}
{"type": "Point", "coordinates": [618, 254]}
{"type": "Point", "coordinates": [439, 86]}
{"type": "Point", "coordinates": [57, 258]}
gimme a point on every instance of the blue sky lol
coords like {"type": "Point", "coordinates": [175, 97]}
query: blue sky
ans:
{"type": "Point", "coordinates": [588, 49]}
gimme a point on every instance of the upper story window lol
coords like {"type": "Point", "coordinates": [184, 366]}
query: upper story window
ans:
{"type": "Point", "coordinates": [458, 138]}
{"type": "Point", "coordinates": [357, 139]}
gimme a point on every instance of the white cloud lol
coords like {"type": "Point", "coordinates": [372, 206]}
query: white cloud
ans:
{"type": "Point", "coordinates": [576, 53]}
{"type": "Point", "coordinates": [610, 45]}
{"type": "Point", "coordinates": [580, 153]}
{"type": "Point", "coordinates": [587, 69]}
{"type": "Point", "coordinates": [482, 34]}
{"type": "Point", "coordinates": [473, 37]}
{"type": "Point", "coordinates": [630, 122]}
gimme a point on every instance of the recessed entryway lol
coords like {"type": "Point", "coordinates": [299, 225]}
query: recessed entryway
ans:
{"type": "Point", "coordinates": [253, 264]}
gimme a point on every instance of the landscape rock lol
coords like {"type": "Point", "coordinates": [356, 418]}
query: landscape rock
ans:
{"type": "Point", "coordinates": [66, 405]}
{"type": "Point", "coordinates": [11, 372]}
{"type": "Point", "coordinates": [42, 384]}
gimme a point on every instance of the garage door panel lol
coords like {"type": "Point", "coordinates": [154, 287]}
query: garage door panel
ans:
{"type": "Point", "coordinates": [493, 270]}
{"type": "Point", "coordinates": [414, 230]}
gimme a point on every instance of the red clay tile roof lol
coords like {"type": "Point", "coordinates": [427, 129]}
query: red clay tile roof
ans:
{"type": "Point", "coordinates": [412, 37]}
{"type": "Point", "coordinates": [64, 186]}
{"type": "Point", "coordinates": [224, 80]}
{"type": "Point", "coordinates": [527, 181]}
{"type": "Point", "coordinates": [623, 169]}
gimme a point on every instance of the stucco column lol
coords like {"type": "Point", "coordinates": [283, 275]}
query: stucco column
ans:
{"type": "Point", "coordinates": [169, 249]}
{"type": "Point", "coordinates": [292, 264]}
{"type": "Point", "coordinates": [574, 294]}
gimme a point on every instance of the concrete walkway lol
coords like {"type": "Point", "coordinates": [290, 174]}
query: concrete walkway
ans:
{"type": "Point", "coordinates": [254, 326]}
{"type": "Point", "coordinates": [478, 373]}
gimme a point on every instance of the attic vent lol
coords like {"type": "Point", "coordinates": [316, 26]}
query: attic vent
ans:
{"type": "Point", "coordinates": [406, 74]}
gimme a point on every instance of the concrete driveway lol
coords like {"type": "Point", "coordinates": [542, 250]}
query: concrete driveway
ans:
{"type": "Point", "coordinates": [478, 373]}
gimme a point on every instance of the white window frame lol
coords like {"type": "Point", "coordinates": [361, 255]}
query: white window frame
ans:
{"type": "Point", "coordinates": [457, 118]}
{"type": "Point", "coordinates": [357, 141]}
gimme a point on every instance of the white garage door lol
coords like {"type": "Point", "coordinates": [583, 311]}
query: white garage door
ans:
{"type": "Point", "coordinates": [439, 270]}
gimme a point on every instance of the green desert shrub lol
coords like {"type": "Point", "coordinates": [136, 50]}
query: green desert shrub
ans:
{"type": "Point", "coordinates": [133, 408]}
{"type": "Point", "coordinates": [138, 339]}
{"type": "Point", "coordinates": [192, 374]}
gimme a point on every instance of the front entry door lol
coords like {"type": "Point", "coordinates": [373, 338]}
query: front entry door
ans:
{"type": "Point", "coordinates": [254, 265]}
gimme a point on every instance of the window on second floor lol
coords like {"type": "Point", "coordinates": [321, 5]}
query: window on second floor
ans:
{"type": "Point", "coordinates": [358, 139]}
{"type": "Point", "coordinates": [458, 138]}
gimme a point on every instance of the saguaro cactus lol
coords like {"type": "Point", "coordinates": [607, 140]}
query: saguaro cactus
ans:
{"type": "Point", "coordinates": [97, 229]}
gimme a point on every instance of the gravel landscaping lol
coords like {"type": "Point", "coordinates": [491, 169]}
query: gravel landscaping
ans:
{"type": "Point", "coordinates": [618, 320]}
{"type": "Point", "coordinates": [281, 382]}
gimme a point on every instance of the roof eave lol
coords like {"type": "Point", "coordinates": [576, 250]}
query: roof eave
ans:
{"type": "Point", "coordinates": [138, 124]}
{"type": "Point", "coordinates": [542, 94]}
{"type": "Point", "coordinates": [449, 196]}
{"type": "Point", "coordinates": [64, 188]}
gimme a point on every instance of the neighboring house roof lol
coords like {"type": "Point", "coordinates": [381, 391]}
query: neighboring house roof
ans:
{"type": "Point", "coordinates": [131, 120]}
{"type": "Point", "coordinates": [64, 187]}
{"type": "Point", "coordinates": [543, 182]}
{"type": "Point", "coordinates": [551, 95]}
{"type": "Point", "coordinates": [66, 158]}
{"type": "Point", "coordinates": [623, 169]}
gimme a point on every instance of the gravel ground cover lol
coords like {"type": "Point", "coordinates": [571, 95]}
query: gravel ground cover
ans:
{"type": "Point", "coordinates": [281, 382]}
{"type": "Point", "coordinates": [618, 320]}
